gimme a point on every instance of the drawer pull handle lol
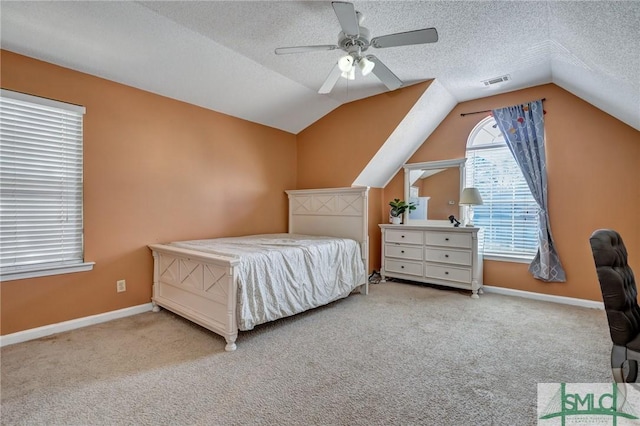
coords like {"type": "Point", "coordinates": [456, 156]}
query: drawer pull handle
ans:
{"type": "Point", "coordinates": [401, 251]}
{"type": "Point", "coordinates": [402, 267]}
{"type": "Point", "coordinates": [446, 239]}
{"type": "Point", "coordinates": [446, 272]}
{"type": "Point", "coordinates": [402, 236]}
{"type": "Point", "coordinates": [446, 255]}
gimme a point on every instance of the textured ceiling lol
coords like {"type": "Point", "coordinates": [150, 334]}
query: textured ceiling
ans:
{"type": "Point", "coordinates": [220, 55]}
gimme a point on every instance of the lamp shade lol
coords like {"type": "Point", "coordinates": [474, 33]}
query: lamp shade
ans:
{"type": "Point", "coordinates": [470, 197]}
{"type": "Point", "coordinates": [345, 63]}
{"type": "Point", "coordinates": [349, 75]}
{"type": "Point", "coordinates": [366, 66]}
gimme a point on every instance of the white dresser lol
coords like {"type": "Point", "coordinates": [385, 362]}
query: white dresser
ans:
{"type": "Point", "coordinates": [442, 255]}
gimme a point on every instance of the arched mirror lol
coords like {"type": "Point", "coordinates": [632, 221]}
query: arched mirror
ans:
{"type": "Point", "coordinates": [435, 188]}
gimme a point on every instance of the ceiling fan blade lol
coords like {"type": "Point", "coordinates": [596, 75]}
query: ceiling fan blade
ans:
{"type": "Point", "coordinates": [385, 75]}
{"type": "Point", "coordinates": [347, 17]}
{"type": "Point", "coordinates": [331, 80]}
{"type": "Point", "coordinates": [427, 35]}
{"type": "Point", "coordinates": [303, 49]}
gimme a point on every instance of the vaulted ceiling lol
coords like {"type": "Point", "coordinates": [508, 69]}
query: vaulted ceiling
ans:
{"type": "Point", "coordinates": [220, 55]}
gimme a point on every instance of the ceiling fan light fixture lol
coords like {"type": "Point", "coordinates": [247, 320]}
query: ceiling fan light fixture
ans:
{"type": "Point", "coordinates": [365, 65]}
{"type": "Point", "coordinates": [349, 75]}
{"type": "Point", "coordinates": [345, 63]}
{"type": "Point", "coordinates": [354, 39]}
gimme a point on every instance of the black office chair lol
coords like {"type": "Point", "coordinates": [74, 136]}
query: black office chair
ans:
{"type": "Point", "coordinates": [620, 298]}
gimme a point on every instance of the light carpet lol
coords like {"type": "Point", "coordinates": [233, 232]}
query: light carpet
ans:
{"type": "Point", "coordinates": [404, 354]}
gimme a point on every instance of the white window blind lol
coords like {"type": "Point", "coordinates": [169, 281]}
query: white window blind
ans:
{"type": "Point", "coordinates": [40, 183]}
{"type": "Point", "coordinates": [509, 213]}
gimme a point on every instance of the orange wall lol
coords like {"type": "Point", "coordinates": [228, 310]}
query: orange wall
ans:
{"type": "Point", "coordinates": [156, 170]}
{"type": "Point", "coordinates": [334, 150]}
{"type": "Point", "coordinates": [593, 169]}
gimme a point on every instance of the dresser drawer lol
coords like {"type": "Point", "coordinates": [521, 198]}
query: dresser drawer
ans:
{"type": "Point", "coordinates": [402, 267]}
{"type": "Point", "coordinates": [400, 236]}
{"type": "Point", "coordinates": [462, 275]}
{"type": "Point", "coordinates": [443, 255]}
{"type": "Point", "coordinates": [406, 237]}
{"type": "Point", "coordinates": [448, 239]}
{"type": "Point", "coordinates": [403, 252]}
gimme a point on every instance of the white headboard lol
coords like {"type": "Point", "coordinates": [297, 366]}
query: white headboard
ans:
{"type": "Point", "coordinates": [334, 212]}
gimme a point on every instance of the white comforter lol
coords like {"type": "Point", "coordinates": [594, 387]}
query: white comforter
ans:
{"type": "Point", "coordinates": [284, 274]}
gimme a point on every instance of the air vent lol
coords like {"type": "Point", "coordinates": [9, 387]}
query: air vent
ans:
{"type": "Point", "coordinates": [497, 80]}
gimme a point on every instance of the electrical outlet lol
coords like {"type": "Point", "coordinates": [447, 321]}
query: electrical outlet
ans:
{"type": "Point", "coordinates": [121, 285]}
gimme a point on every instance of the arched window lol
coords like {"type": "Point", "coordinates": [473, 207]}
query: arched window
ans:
{"type": "Point", "coordinates": [509, 213]}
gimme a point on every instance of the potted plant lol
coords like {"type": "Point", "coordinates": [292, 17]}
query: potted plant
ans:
{"type": "Point", "coordinates": [398, 207]}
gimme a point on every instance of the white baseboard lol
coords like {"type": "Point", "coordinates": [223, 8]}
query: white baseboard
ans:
{"type": "Point", "coordinates": [545, 297]}
{"type": "Point", "coordinates": [47, 330]}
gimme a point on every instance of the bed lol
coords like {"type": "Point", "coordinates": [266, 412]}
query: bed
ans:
{"type": "Point", "coordinates": [229, 284]}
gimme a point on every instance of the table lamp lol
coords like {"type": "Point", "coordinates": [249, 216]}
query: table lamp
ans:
{"type": "Point", "coordinates": [470, 197]}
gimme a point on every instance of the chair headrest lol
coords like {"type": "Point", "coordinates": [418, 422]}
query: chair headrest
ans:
{"type": "Point", "coordinates": [608, 248]}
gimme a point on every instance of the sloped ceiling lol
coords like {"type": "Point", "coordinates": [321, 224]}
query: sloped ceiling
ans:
{"type": "Point", "coordinates": [220, 55]}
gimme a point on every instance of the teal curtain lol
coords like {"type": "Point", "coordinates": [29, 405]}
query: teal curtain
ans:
{"type": "Point", "coordinates": [523, 130]}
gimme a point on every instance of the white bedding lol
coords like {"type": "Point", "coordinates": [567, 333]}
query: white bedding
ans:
{"type": "Point", "coordinates": [284, 274]}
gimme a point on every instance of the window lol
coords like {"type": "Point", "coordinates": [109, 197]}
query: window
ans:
{"type": "Point", "coordinates": [40, 187]}
{"type": "Point", "coordinates": [509, 215]}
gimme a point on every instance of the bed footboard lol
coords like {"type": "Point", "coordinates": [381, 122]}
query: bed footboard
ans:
{"type": "Point", "coordinates": [198, 287]}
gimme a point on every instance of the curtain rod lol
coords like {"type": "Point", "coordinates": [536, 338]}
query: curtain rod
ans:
{"type": "Point", "coordinates": [486, 110]}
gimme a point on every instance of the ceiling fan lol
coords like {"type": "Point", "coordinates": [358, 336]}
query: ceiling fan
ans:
{"type": "Point", "coordinates": [354, 40]}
